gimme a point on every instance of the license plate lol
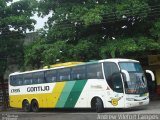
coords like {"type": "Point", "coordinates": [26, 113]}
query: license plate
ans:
{"type": "Point", "coordinates": [140, 103]}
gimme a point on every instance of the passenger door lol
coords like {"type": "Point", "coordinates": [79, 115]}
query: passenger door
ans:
{"type": "Point", "coordinates": [114, 80]}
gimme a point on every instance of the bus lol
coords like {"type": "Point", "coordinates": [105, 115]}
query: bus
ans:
{"type": "Point", "coordinates": [108, 83]}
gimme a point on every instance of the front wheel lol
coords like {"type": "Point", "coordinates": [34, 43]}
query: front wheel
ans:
{"type": "Point", "coordinates": [99, 105]}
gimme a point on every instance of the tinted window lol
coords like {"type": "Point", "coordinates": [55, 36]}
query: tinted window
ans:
{"type": "Point", "coordinates": [16, 80]}
{"type": "Point", "coordinates": [113, 77]}
{"type": "Point", "coordinates": [79, 73]}
{"type": "Point", "coordinates": [94, 71]}
{"type": "Point", "coordinates": [38, 78]}
{"type": "Point", "coordinates": [12, 80]}
{"type": "Point", "coordinates": [109, 69]}
{"type": "Point", "coordinates": [64, 74]}
{"type": "Point", "coordinates": [117, 85]}
{"type": "Point", "coordinates": [27, 79]}
{"type": "Point", "coordinates": [131, 66]}
{"type": "Point", "coordinates": [51, 76]}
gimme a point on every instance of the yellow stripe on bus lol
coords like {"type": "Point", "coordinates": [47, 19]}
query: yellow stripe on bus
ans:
{"type": "Point", "coordinates": [57, 92]}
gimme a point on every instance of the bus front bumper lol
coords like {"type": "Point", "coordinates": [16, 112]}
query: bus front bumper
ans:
{"type": "Point", "coordinates": [130, 104]}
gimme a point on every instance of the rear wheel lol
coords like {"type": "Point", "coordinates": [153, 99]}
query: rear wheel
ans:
{"type": "Point", "coordinates": [34, 106]}
{"type": "Point", "coordinates": [26, 106]}
{"type": "Point", "coordinates": [97, 104]}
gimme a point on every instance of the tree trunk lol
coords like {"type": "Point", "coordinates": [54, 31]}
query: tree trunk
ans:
{"type": "Point", "coordinates": [4, 93]}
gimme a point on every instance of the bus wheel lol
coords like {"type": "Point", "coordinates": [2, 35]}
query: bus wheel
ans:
{"type": "Point", "coordinates": [97, 104]}
{"type": "Point", "coordinates": [34, 106]}
{"type": "Point", "coordinates": [26, 106]}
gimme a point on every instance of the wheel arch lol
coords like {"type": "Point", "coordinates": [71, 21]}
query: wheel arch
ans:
{"type": "Point", "coordinates": [25, 99]}
{"type": "Point", "coordinates": [93, 100]}
{"type": "Point", "coordinates": [34, 99]}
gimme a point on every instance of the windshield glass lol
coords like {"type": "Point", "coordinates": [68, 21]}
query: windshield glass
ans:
{"type": "Point", "coordinates": [137, 83]}
{"type": "Point", "coordinates": [131, 67]}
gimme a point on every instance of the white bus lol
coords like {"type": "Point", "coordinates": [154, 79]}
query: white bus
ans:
{"type": "Point", "coordinates": [109, 83]}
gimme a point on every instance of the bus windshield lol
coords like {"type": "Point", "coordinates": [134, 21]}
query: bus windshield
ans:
{"type": "Point", "coordinates": [131, 67]}
{"type": "Point", "coordinates": [137, 83]}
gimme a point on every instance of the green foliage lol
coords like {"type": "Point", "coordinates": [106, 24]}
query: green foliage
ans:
{"type": "Point", "coordinates": [122, 46]}
{"type": "Point", "coordinates": [155, 30]}
{"type": "Point", "coordinates": [94, 15]}
{"type": "Point", "coordinates": [33, 53]}
{"type": "Point", "coordinates": [84, 51]}
{"type": "Point", "coordinates": [41, 53]}
{"type": "Point", "coordinates": [57, 52]}
{"type": "Point", "coordinates": [71, 17]}
{"type": "Point", "coordinates": [14, 21]}
{"type": "Point", "coordinates": [96, 29]}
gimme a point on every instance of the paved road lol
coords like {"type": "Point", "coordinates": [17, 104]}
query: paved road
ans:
{"type": "Point", "coordinates": [150, 112]}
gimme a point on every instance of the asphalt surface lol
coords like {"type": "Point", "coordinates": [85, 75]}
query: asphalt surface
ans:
{"type": "Point", "coordinates": [149, 112]}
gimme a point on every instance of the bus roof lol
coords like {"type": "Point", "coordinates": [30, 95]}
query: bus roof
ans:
{"type": "Point", "coordinates": [118, 60]}
{"type": "Point", "coordinates": [69, 64]}
{"type": "Point", "coordinates": [66, 64]}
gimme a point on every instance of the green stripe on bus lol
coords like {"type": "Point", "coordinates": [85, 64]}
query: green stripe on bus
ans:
{"type": "Point", "coordinates": [65, 93]}
{"type": "Point", "coordinates": [75, 93]}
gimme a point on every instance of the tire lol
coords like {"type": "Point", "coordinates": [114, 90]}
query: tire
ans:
{"type": "Point", "coordinates": [34, 106]}
{"type": "Point", "coordinates": [99, 105]}
{"type": "Point", "coordinates": [26, 106]}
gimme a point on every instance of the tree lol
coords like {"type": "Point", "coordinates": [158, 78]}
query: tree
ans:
{"type": "Point", "coordinates": [95, 29]}
{"type": "Point", "coordinates": [85, 50]}
{"type": "Point", "coordinates": [14, 21]}
{"type": "Point", "coordinates": [74, 20]}
{"type": "Point", "coordinates": [136, 46]}
{"type": "Point", "coordinates": [155, 30]}
{"type": "Point", "coordinates": [41, 53]}
{"type": "Point", "coordinates": [33, 53]}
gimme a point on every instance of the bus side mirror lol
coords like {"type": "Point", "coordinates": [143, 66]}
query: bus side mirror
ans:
{"type": "Point", "coordinates": [151, 73]}
{"type": "Point", "coordinates": [127, 77]}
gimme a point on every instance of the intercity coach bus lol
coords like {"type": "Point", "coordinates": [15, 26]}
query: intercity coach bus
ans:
{"type": "Point", "coordinates": [109, 83]}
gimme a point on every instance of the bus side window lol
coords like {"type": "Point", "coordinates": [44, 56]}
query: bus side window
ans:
{"type": "Point", "coordinates": [38, 77]}
{"type": "Point", "coordinates": [20, 81]}
{"type": "Point", "coordinates": [16, 80]}
{"type": "Point", "coordinates": [27, 79]}
{"type": "Point", "coordinates": [110, 69]}
{"type": "Point", "coordinates": [78, 73]}
{"type": "Point", "coordinates": [94, 71]}
{"type": "Point", "coordinates": [25, 82]}
{"type": "Point", "coordinates": [99, 75]}
{"type": "Point", "coordinates": [113, 77]}
{"type": "Point", "coordinates": [40, 80]}
{"type": "Point", "coordinates": [34, 80]}
{"type": "Point", "coordinates": [12, 80]}
{"type": "Point", "coordinates": [64, 74]}
{"type": "Point", "coordinates": [51, 76]}
{"type": "Point", "coordinates": [60, 78]}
